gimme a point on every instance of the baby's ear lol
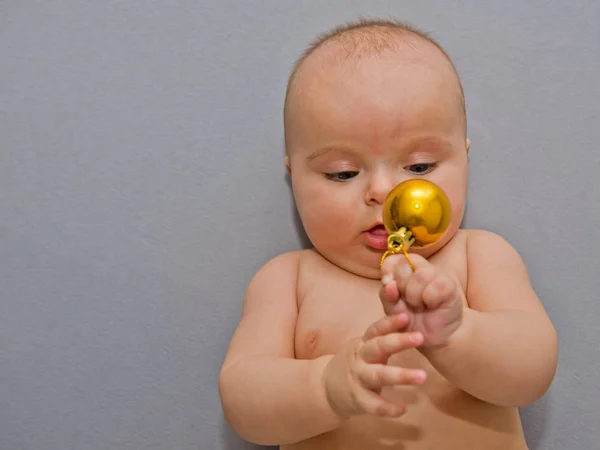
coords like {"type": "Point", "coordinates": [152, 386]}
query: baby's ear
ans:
{"type": "Point", "coordinates": [468, 144]}
{"type": "Point", "coordinates": [286, 160]}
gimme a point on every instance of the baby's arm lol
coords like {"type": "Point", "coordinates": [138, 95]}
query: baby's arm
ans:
{"type": "Point", "coordinates": [268, 396]}
{"type": "Point", "coordinates": [505, 350]}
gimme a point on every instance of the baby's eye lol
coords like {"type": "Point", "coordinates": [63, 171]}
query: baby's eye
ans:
{"type": "Point", "coordinates": [341, 176]}
{"type": "Point", "coordinates": [421, 168]}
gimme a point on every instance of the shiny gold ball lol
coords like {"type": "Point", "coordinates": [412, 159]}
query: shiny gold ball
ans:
{"type": "Point", "coordinates": [419, 206]}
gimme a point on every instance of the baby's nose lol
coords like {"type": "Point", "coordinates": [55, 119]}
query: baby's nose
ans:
{"type": "Point", "coordinates": [379, 187]}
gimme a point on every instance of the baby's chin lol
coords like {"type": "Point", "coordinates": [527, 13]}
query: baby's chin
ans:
{"type": "Point", "coordinates": [363, 263]}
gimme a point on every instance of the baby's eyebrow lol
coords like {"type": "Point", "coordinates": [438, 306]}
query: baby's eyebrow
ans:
{"type": "Point", "coordinates": [430, 142]}
{"type": "Point", "coordinates": [324, 150]}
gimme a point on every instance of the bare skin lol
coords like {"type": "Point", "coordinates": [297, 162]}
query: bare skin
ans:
{"type": "Point", "coordinates": [436, 413]}
{"type": "Point", "coordinates": [334, 352]}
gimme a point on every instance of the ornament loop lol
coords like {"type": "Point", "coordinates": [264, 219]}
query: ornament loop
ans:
{"type": "Point", "coordinates": [399, 242]}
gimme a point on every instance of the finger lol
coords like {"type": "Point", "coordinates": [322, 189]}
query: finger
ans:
{"type": "Point", "coordinates": [413, 294]}
{"type": "Point", "coordinates": [389, 296]}
{"type": "Point", "coordinates": [403, 272]}
{"type": "Point", "coordinates": [440, 290]}
{"type": "Point", "coordinates": [379, 349]}
{"type": "Point", "coordinates": [389, 267]}
{"type": "Point", "coordinates": [390, 292]}
{"type": "Point", "coordinates": [377, 376]}
{"type": "Point", "coordinates": [388, 324]}
{"type": "Point", "coordinates": [400, 308]}
{"type": "Point", "coordinates": [376, 405]}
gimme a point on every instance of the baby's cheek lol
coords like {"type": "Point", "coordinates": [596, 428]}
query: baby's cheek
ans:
{"type": "Point", "coordinates": [337, 217]}
{"type": "Point", "coordinates": [329, 224]}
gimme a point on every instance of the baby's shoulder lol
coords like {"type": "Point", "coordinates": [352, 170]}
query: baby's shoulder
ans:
{"type": "Point", "coordinates": [477, 237]}
{"type": "Point", "coordinates": [483, 243]}
{"type": "Point", "coordinates": [277, 278]}
{"type": "Point", "coordinates": [489, 252]}
{"type": "Point", "coordinates": [496, 271]}
{"type": "Point", "coordinates": [284, 266]}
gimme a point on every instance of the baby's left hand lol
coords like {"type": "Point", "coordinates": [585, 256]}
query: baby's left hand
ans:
{"type": "Point", "coordinates": [431, 297]}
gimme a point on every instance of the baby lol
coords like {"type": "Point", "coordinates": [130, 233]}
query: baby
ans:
{"type": "Point", "coordinates": [335, 352]}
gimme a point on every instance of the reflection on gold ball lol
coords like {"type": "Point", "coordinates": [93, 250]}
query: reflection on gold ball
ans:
{"type": "Point", "coordinates": [419, 206]}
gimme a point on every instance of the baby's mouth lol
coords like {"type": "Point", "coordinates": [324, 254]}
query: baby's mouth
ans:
{"type": "Point", "coordinates": [376, 237]}
{"type": "Point", "coordinates": [378, 230]}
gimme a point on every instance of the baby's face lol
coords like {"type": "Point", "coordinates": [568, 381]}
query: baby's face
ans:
{"type": "Point", "coordinates": [356, 131]}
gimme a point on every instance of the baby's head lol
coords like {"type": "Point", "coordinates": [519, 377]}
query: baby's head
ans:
{"type": "Point", "coordinates": [368, 106]}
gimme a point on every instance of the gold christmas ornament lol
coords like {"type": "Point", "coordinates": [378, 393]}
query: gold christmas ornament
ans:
{"type": "Point", "coordinates": [415, 213]}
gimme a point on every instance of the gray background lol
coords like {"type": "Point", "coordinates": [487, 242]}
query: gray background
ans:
{"type": "Point", "coordinates": [142, 185]}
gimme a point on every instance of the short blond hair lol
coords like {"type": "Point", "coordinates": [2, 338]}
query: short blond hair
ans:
{"type": "Point", "coordinates": [368, 36]}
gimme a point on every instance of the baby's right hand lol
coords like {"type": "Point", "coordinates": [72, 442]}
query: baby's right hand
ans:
{"type": "Point", "coordinates": [355, 376]}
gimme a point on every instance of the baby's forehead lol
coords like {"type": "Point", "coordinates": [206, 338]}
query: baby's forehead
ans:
{"type": "Point", "coordinates": [331, 68]}
{"type": "Point", "coordinates": [354, 46]}
{"type": "Point", "coordinates": [341, 57]}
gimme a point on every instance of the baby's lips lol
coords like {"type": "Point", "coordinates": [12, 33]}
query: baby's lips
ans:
{"type": "Point", "coordinates": [378, 230]}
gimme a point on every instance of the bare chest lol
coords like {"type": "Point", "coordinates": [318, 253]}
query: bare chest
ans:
{"type": "Point", "coordinates": [335, 306]}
